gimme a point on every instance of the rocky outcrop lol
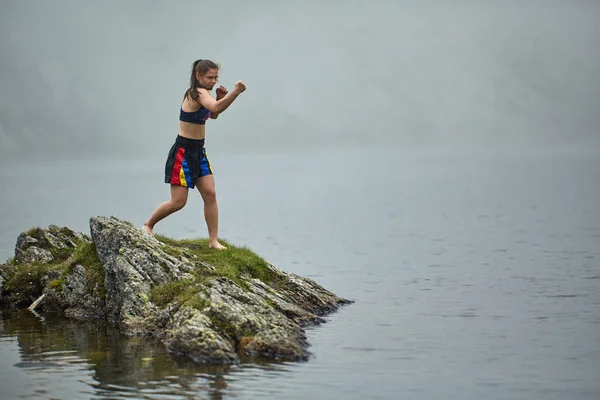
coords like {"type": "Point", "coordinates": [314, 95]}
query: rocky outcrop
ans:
{"type": "Point", "coordinates": [208, 305]}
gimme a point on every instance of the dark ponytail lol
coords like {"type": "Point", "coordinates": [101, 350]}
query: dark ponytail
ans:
{"type": "Point", "coordinates": [200, 67]}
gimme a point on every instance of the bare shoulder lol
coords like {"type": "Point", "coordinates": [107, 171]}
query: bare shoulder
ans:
{"type": "Point", "coordinates": [203, 92]}
{"type": "Point", "coordinates": [205, 99]}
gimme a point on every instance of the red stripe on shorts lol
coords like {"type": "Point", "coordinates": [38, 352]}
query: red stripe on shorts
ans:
{"type": "Point", "coordinates": [175, 180]}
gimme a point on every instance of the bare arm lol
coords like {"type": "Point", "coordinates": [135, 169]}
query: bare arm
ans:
{"type": "Point", "coordinates": [218, 106]}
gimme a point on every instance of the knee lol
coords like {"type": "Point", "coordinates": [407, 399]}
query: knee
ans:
{"type": "Point", "coordinates": [178, 204]}
{"type": "Point", "coordinates": [209, 195]}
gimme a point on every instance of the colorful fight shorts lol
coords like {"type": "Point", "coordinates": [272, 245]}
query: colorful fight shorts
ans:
{"type": "Point", "coordinates": [187, 161]}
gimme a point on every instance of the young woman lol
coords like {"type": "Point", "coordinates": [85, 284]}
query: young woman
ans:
{"type": "Point", "coordinates": [187, 165]}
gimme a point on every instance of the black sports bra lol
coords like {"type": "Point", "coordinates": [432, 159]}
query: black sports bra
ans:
{"type": "Point", "coordinates": [198, 117]}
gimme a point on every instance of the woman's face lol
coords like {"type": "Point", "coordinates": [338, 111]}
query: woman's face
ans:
{"type": "Point", "coordinates": [209, 79]}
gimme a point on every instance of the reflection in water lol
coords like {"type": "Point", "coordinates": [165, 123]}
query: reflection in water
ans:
{"type": "Point", "coordinates": [117, 364]}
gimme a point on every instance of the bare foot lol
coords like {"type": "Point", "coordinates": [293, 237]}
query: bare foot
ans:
{"type": "Point", "coordinates": [216, 245]}
{"type": "Point", "coordinates": [147, 229]}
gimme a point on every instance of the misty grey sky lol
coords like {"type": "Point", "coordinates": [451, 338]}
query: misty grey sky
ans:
{"type": "Point", "coordinates": [105, 78]}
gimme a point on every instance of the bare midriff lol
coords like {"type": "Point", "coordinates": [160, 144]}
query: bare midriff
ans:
{"type": "Point", "coordinates": [192, 131]}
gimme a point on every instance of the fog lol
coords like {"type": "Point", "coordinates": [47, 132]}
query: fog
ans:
{"type": "Point", "coordinates": [106, 78]}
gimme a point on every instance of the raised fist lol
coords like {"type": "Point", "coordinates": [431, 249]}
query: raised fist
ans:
{"type": "Point", "coordinates": [239, 85]}
{"type": "Point", "coordinates": [221, 92]}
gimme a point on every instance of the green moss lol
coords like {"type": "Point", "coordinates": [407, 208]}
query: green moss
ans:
{"type": "Point", "coordinates": [185, 292]}
{"type": "Point", "coordinates": [171, 249]}
{"type": "Point", "coordinates": [164, 267]}
{"type": "Point", "coordinates": [36, 232]}
{"type": "Point", "coordinates": [61, 254]}
{"type": "Point", "coordinates": [232, 263]}
{"type": "Point", "coordinates": [224, 327]}
{"type": "Point", "coordinates": [57, 284]}
{"type": "Point", "coordinates": [85, 254]}
{"type": "Point", "coordinates": [269, 302]}
{"type": "Point", "coordinates": [24, 281]}
{"type": "Point", "coordinates": [240, 335]}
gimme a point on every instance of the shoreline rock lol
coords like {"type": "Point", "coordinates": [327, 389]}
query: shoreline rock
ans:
{"type": "Point", "coordinates": [210, 306]}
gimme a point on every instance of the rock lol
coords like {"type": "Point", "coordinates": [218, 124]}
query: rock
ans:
{"type": "Point", "coordinates": [33, 254]}
{"type": "Point", "coordinates": [78, 298]}
{"type": "Point", "coordinates": [36, 245]}
{"type": "Point", "coordinates": [192, 334]}
{"type": "Point", "coordinates": [133, 262]}
{"type": "Point", "coordinates": [211, 307]}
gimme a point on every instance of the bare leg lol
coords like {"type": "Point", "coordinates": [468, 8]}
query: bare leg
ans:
{"type": "Point", "coordinates": [179, 195]}
{"type": "Point", "coordinates": [206, 187]}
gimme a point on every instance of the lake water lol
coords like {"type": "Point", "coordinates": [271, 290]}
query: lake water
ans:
{"type": "Point", "coordinates": [475, 274]}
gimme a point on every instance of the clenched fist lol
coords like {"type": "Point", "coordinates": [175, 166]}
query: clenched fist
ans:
{"type": "Point", "coordinates": [221, 92]}
{"type": "Point", "coordinates": [239, 85]}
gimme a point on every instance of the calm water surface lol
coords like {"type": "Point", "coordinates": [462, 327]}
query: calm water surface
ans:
{"type": "Point", "coordinates": [474, 274]}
